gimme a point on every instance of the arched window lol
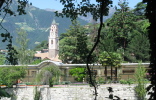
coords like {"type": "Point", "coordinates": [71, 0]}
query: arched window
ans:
{"type": "Point", "coordinates": [51, 41]}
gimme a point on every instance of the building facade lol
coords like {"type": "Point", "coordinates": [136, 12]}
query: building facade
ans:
{"type": "Point", "coordinates": [126, 71]}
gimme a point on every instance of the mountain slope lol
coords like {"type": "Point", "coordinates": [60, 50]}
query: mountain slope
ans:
{"type": "Point", "coordinates": [36, 23]}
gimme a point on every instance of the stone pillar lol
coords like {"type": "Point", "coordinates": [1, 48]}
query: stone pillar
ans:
{"type": "Point", "coordinates": [66, 73]}
{"type": "Point", "coordinates": [99, 73]}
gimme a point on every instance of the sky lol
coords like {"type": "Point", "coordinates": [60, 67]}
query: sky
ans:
{"type": "Point", "coordinates": [55, 4]}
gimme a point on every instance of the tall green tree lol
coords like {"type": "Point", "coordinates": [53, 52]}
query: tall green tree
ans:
{"type": "Point", "coordinates": [25, 56]}
{"type": "Point", "coordinates": [138, 49]}
{"type": "Point", "coordinates": [139, 10]}
{"type": "Point", "coordinates": [122, 24]}
{"type": "Point", "coordinates": [110, 59]}
{"type": "Point", "coordinates": [107, 41]}
{"type": "Point", "coordinates": [73, 46]}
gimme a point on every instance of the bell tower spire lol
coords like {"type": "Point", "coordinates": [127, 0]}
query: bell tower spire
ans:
{"type": "Point", "coordinates": [53, 40]}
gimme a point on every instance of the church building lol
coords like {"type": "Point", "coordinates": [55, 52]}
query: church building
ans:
{"type": "Point", "coordinates": [53, 45]}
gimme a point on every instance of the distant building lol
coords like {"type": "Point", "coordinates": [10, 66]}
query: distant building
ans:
{"type": "Point", "coordinates": [52, 53]}
{"type": "Point", "coordinates": [53, 41]}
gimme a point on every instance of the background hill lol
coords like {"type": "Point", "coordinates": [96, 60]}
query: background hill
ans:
{"type": "Point", "coordinates": [36, 23]}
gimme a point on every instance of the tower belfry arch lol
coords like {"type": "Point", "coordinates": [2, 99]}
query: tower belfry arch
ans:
{"type": "Point", "coordinates": [53, 40]}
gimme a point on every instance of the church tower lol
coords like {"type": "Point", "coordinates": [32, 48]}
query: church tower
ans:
{"type": "Point", "coordinates": [53, 40]}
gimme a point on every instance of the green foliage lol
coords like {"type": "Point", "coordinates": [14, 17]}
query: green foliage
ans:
{"type": "Point", "coordinates": [48, 75]}
{"type": "Point", "coordinates": [110, 59]}
{"type": "Point", "coordinates": [24, 55]}
{"type": "Point", "coordinates": [37, 61]}
{"type": "Point", "coordinates": [139, 75]}
{"type": "Point", "coordinates": [9, 75]}
{"type": "Point", "coordinates": [3, 93]}
{"type": "Point", "coordinates": [107, 41]}
{"type": "Point", "coordinates": [73, 45]}
{"type": "Point", "coordinates": [73, 10]}
{"type": "Point", "coordinates": [42, 45]}
{"type": "Point", "coordinates": [78, 73]}
{"type": "Point", "coordinates": [128, 81]}
{"type": "Point", "coordinates": [6, 9]}
{"type": "Point", "coordinates": [140, 9]}
{"type": "Point", "coordinates": [123, 81]}
{"type": "Point", "coordinates": [2, 59]}
{"type": "Point", "coordinates": [138, 49]}
{"type": "Point", "coordinates": [100, 80]}
{"type": "Point", "coordinates": [122, 24]}
{"type": "Point", "coordinates": [37, 94]}
{"type": "Point", "coordinates": [30, 83]}
{"type": "Point", "coordinates": [126, 33]}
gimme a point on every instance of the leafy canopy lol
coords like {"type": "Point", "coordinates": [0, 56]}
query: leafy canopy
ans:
{"type": "Point", "coordinates": [48, 74]}
{"type": "Point", "coordinates": [110, 59]}
{"type": "Point", "coordinates": [24, 55]}
{"type": "Point", "coordinates": [9, 75]}
{"type": "Point", "coordinates": [73, 44]}
{"type": "Point", "coordinates": [78, 73]}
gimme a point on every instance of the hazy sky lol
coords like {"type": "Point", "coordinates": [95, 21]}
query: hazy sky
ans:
{"type": "Point", "coordinates": [55, 4]}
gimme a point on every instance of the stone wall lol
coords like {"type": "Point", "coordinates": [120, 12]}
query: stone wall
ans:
{"type": "Point", "coordinates": [73, 92]}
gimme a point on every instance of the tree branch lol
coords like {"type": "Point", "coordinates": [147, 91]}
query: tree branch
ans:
{"type": "Point", "coordinates": [96, 43]}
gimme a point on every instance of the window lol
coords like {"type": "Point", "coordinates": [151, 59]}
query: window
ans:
{"type": "Point", "coordinates": [109, 71]}
{"type": "Point", "coordinates": [33, 73]}
{"type": "Point", "coordinates": [51, 41]}
{"type": "Point", "coordinates": [128, 71]}
{"type": "Point", "coordinates": [94, 72]}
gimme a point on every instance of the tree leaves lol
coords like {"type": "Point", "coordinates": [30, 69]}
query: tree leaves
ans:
{"type": "Point", "coordinates": [78, 73]}
{"type": "Point", "coordinates": [110, 59]}
{"type": "Point", "coordinates": [73, 8]}
{"type": "Point", "coordinates": [5, 9]}
{"type": "Point", "coordinates": [73, 45]}
{"type": "Point", "coordinates": [9, 75]}
{"type": "Point", "coordinates": [24, 55]}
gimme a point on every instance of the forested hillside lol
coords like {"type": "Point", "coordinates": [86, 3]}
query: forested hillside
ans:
{"type": "Point", "coordinates": [36, 23]}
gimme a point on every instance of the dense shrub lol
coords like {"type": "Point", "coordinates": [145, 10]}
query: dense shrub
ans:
{"type": "Point", "coordinates": [9, 75]}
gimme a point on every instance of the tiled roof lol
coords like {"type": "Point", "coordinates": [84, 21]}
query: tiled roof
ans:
{"type": "Point", "coordinates": [42, 55]}
{"type": "Point", "coordinates": [46, 56]}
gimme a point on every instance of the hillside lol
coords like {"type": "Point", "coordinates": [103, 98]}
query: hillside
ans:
{"type": "Point", "coordinates": [36, 22]}
{"type": "Point", "coordinates": [89, 16]}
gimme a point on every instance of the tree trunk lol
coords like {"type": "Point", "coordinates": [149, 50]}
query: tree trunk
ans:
{"type": "Point", "coordinates": [1, 3]}
{"type": "Point", "coordinates": [116, 73]}
{"type": "Point", "coordinates": [106, 73]}
{"type": "Point", "coordinates": [111, 73]}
